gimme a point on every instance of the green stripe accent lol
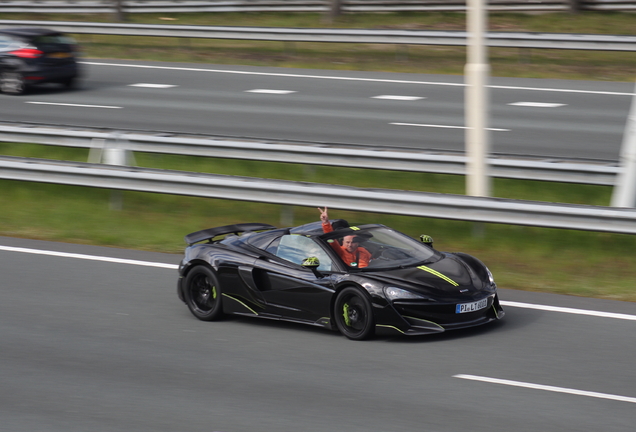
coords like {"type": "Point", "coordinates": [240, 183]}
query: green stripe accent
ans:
{"type": "Point", "coordinates": [438, 274]}
{"type": "Point", "coordinates": [390, 326]}
{"type": "Point", "coordinates": [355, 228]}
{"type": "Point", "coordinates": [426, 321]}
{"type": "Point", "coordinates": [235, 299]}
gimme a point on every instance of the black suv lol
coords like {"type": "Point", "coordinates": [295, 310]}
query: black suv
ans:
{"type": "Point", "coordinates": [30, 56]}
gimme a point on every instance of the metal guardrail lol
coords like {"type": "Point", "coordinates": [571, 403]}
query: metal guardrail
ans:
{"type": "Point", "coordinates": [348, 6]}
{"type": "Point", "coordinates": [399, 37]}
{"type": "Point", "coordinates": [454, 207]}
{"type": "Point", "coordinates": [311, 153]}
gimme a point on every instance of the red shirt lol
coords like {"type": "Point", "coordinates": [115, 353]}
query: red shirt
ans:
{"type": "Point", "coordinates": [359, 258]}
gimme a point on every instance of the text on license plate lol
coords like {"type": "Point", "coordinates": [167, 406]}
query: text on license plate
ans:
{"type": "Point", "coordinates": [471, 307]}
{"type": "Point", "coordinates": [60, 55]}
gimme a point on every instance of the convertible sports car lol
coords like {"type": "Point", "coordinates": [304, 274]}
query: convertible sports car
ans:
{"type": "Point", "coordinates": [294, 274]}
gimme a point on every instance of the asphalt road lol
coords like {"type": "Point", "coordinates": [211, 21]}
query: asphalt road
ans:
{"type": "Point", "coordinates": [546, 118]}
{"type": "Point", "coordinates": [107, 346]}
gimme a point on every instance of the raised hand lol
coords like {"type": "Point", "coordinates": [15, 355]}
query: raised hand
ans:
{"type": "Point", "coordinates": [324, 216]}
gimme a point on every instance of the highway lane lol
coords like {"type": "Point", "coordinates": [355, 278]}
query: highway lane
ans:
{"type": "Point", "coordinates": [107, 346]}
{"type": "Point", "coordinates": [551, 118]}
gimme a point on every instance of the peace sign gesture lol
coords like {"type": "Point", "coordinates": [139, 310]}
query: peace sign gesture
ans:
{"type": "Point", "coordinates": [324, 216]}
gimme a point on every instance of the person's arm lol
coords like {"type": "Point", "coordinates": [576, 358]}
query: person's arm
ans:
{"type": "Point", "coordinates": [365, 257]}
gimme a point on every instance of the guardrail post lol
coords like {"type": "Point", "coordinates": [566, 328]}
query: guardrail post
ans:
{"type": "Point", "coordinates": [624, 194]}
{"type": "Point", "coordinates": [112, 154]}
{"type": "Point", "coordinates": [96, 151]}
{"type": "Point", "coordinates": [120, 16]}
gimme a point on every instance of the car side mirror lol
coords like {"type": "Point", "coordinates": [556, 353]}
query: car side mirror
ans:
{"type": "Point", "coordinates": [427, 240]}
{"type": "Point", "coordinates": [312, 263]}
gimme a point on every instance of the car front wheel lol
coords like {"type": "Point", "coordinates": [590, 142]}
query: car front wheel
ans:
{"type": "Point", "coordinates": [12, 82]}
{"type": "Point", "coordinates": [203, 294]}
{"type": "Point", "coordinates": [353, 314]}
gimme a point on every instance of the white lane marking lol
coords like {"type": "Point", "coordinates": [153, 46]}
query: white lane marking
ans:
{"type": "Point", "coordinates": [149, 85]}
{"type": "Point", "coordinates": [569, 310]}
{"type": "Point", "coordinates": [74, 105]}
{"type": "Point", "coordinates": [547, 388]}
{"type": "Point", "coordinates": [445, 126]}
{"type": "Point", "coordinates": [174, 267]}
{"type": "Point", "coordinates": [400, 98]}
{"type": "Point", "coordinates": [270, 91]}
{"type": "Point", "coordinates": [537, 104]}
{"type": "Point", "coordinates": [597, 92]}
{"type": "Point", "coordinates": [393, 81]}
{"type": "Point", "coordinates": [89, 257]}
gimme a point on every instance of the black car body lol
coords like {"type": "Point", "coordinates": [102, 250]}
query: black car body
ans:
{"type": "Point", "coordinates": [30, 56]}
{"type": "Point", "coordinates": [294, 274]}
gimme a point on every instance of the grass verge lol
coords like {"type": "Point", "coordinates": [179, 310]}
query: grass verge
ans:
{"type": "Point", "coordinates": [547, 260]}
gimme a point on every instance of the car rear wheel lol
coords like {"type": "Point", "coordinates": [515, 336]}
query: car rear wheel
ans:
{"type": "Point", "coordinates": [203, 294]}
{"type": "Point", "coordinates": [12, 82]}
{"type": "Point", "coordinates": [69, 83]}
{"type": "Point", "coordinates": [353, 314]}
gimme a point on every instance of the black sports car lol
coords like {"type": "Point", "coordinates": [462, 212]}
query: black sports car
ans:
{"type": "Point", "coordinates": [295, 274]}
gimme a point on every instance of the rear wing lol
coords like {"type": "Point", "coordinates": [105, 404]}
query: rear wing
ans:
{"type": "Point", "coordinates": [210, 233]}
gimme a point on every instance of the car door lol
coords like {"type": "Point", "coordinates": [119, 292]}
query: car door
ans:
{"type": "Point", "coordinates": [290, 290]}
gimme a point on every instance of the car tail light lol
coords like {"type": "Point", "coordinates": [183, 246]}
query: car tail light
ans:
{"type": "Point", "coordinates": [28, 53]}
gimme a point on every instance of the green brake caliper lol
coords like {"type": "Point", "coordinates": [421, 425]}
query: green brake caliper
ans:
{"type": "Point", "coordinates": [345, 314]}
{"type": "Point", "coordinates": [214, 292]}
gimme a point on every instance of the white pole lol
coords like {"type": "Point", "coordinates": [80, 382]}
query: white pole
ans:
{"type": "Point", "coordinates": [477, 72]}
{"type": "Point", "coordinates": [624, 194]}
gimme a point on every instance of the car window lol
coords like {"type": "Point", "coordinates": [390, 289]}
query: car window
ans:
{"type": "Point", "coordinates": [296, 248]}
{"type": "Point", "coordinates": [52, 41]}
{"type": "Point", "coordinates": [262, 239]}
{"type": "Point", "coordinates": [7, 43]}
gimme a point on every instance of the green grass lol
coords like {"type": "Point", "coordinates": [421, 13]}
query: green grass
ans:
{"type": "Point", "coordinates": [531, 63]}
{"type": "Point", "coordinates": [526, 258]}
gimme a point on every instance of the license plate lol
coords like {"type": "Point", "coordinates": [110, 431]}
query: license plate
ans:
{"type": "Point", "coordinates": [60, 55]}
{"type": "Point", "coordinates": [471, 307]}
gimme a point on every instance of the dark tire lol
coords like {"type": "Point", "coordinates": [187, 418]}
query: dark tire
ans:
{"type": "Point", "coordinates": [69, 83]}
{"type": "Point", "coordinates": [203, 294]}
{"type": "Point", "coordinates": [353, 314]}
{"type": "Point", "coordinates": [12, 82]}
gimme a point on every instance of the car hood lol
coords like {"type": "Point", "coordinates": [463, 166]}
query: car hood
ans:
{"type": "Point", "coordinates": [448, 277]}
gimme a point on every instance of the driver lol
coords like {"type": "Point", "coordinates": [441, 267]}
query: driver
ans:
{"type": "Point", "coordinates": [350, 251]}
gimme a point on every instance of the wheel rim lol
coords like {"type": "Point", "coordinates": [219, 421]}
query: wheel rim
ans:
{"type": "Point", "coordinates": [12, 82]}
{"type": "Point", "coordinates": [354, 314]}
{"type": "Point", "coordinates": [203, 294]}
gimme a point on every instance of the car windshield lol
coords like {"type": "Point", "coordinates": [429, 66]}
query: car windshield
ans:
{"type": "Point", "coordinates": [390, 248]}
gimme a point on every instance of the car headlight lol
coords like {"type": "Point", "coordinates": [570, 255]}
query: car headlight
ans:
{"type": "Point", "coordinates": [491, 279]}
{"type": "Point", "coordinates": [393, 293]}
